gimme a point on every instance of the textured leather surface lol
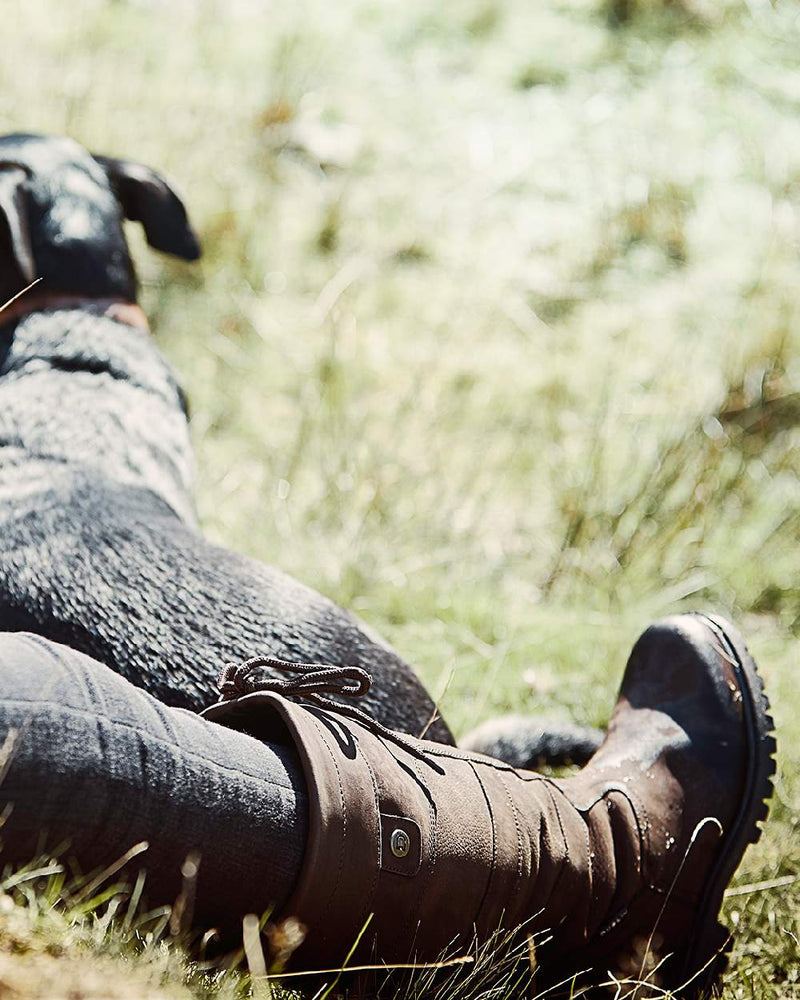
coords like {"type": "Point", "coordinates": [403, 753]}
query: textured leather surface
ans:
{"type": "Point", "coordinates": [591, 859]}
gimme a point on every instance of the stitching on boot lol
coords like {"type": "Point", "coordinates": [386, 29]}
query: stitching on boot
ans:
{"type": "Point", "coordinates": [434, 843]}
{"type": "Point", "coordinates": [494, 838]}
{"type": "Point", "coordinates": [441, 750]}
{"type": "Point", "coordinates": [426, 872]}
{"type": "Point", "coordinates": [338, 879]}
{"type": "Point", "coordinates": [550, 791]}
{"type": "Point", "coordinates": [637, 806]}
{"type": "Point", "coordinates": [644, 833]}
{"type": "Point", "coordinates": [517, 827]}
{"type": "Point", "coordinates": [367, 909]}
{"type": "Point", "coordinates": [611, 922]}
{"type": "Point", "coordinates": [552, 788]}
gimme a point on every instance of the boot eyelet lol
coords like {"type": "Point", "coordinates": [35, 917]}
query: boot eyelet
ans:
{"type": "Point", "coordinates": [400, 843]}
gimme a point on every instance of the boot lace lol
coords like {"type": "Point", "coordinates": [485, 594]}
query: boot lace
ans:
{"type": "Point", "coordinates": [312, 682]}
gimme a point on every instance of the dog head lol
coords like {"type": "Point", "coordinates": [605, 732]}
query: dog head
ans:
{"type": "Point", "coordinates": [61, 212]}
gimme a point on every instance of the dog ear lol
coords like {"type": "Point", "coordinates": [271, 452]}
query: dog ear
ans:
{"type": "Point", "coordinates": [147, 198]}
{"type": "Point", "coordinates": [14, 216]}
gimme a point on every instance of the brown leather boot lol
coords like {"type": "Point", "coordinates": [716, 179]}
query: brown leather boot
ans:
{"type": "Point", "coordinates": [624, 865]}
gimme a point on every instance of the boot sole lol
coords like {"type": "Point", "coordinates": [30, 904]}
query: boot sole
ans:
{"type": "Point", "coordinates": [706, 957]}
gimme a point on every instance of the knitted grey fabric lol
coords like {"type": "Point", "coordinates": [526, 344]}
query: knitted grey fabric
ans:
{"type": "Point", "coordinates": [99, 765]}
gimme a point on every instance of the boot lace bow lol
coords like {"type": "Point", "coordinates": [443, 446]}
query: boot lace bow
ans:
{"type": "Point", "coordinates": [312, 683]}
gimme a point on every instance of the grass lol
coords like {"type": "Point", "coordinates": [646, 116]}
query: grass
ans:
{"type": "Point", "coordinates": [495, 341]}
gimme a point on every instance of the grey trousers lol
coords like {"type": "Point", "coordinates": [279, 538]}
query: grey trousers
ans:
{"type": "Point", "coordinates": [116, 616]}
{"type": "Point", "coordinates": [92, 766]}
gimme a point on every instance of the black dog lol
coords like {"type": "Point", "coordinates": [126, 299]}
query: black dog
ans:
{"type": "Point", "coordinates": [98, 543]}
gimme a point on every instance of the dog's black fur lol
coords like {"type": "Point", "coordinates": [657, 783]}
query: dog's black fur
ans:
{"type": "Point", "coordinates": [98, 543]}
{"type": "Point", "coordinates": [61, 218]}
{"type": "Point", "coordinates": [522, 741]}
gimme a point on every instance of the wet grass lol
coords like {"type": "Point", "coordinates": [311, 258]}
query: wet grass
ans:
{"type": "Point", "coordinates": [495, 339]}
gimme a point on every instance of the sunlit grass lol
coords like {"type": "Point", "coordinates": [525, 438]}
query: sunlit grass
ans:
{"type": "Point", "coordinates": [495, 339]}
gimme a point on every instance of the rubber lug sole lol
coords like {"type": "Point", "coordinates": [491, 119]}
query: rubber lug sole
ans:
{"type": "Point", "coordinates": [697, 971]}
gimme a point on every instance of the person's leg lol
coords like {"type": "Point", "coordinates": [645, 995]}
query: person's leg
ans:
{"type": "Point", "coordinates": [621, 867]}
{"type": "Point", "coordinates": [98, 765]}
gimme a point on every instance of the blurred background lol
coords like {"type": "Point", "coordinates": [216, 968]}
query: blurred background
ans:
{"type": "Point", "coordinates": [496, 336]}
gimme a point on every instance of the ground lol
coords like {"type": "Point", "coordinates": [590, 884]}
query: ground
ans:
{"type": "Point", "coordinates": [495, 341]}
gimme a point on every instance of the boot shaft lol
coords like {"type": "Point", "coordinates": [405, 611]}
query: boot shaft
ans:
{"type": "Point", "coordinates": [417, 850]}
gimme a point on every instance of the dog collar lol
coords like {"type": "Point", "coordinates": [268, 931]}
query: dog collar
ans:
{"type": "Point", "coordinates": [116, 309]}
